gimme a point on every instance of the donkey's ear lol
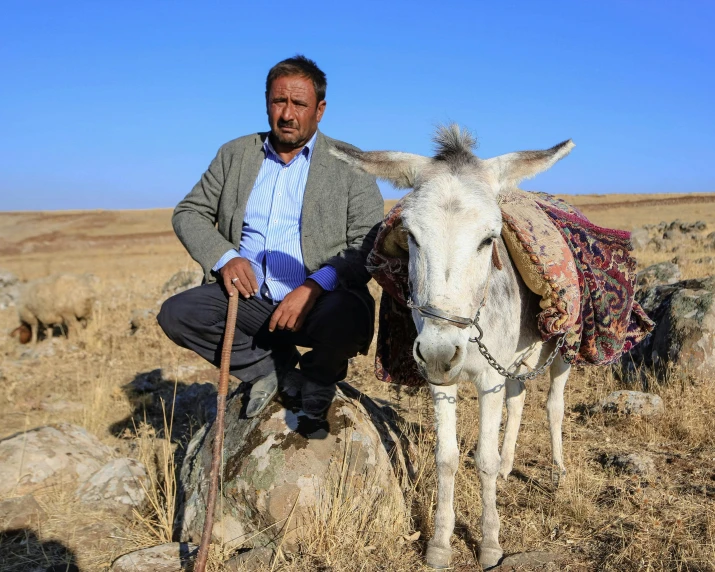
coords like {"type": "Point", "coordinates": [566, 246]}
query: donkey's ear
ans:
{"type": "Point", "coordinates": [512, 168]}
{"type": "Point", "coordinates": [401, 169]}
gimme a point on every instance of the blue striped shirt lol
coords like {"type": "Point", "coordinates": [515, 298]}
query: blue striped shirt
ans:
{"type": "Point", "coordinates": [270, 238]}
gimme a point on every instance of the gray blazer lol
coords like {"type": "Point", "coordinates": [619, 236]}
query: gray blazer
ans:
{"type": "Point", "coordinates": [342, 209]}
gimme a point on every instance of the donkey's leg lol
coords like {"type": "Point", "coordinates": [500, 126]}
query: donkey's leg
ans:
{"type": "Point", "coordinates": [447, 458]}
{"type": "Point", "coordinates": [515, 395]}
{"type": "Point", "coordinates": [491, 399]}
{"type": "Point", "coordinates": [555, 411]}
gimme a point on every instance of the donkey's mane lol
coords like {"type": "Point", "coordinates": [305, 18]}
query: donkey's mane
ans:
{"type": "Point", "coordinates": [454, 145]}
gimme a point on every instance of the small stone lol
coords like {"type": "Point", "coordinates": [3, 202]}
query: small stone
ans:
{"type": "Point", "coordinates": [182, 280]}
{"type": "Point", "coordinates": [529, 560]}
{"type": "Point", "coordinates": [119, 486]}
{"type": "Point", "coordinates": [60, 406]}
{"type": "Point", "coordinates": [631, 463]}
{"type": "Point", "coordinates": [171, 557]}
{"type": "Point", "coordinates": [254, 559]}
{"type": "Point", "coordinates": [631, 403]}
{"type": "Point", "coordinates": [639, 238]}
{"type": "Point", "coordinates": [20, 512]}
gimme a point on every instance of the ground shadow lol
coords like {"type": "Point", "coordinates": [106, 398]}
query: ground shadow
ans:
{"type": "Point", "coordinates": [21, 550]}
{"type": "Point", "coordinates": [161, 402]}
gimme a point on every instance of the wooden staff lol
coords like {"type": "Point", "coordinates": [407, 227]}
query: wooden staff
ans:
{"type": "Point", "coordinates": [203, 554]}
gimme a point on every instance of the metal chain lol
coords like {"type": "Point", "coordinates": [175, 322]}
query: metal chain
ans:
{"type": "Point", "coordinates": [529, 375]}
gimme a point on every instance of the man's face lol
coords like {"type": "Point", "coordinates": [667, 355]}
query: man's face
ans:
{"type": "Point", "coordinates": [293, 111]}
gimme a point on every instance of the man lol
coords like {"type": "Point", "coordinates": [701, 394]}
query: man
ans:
{"type": "Point", "coordinates": [290, 226]}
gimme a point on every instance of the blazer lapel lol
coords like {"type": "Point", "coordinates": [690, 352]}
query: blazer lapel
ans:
{"type": "Point", "coordinates": [250, 165]}
{"type": "Point", "coordinates": [315, 188]}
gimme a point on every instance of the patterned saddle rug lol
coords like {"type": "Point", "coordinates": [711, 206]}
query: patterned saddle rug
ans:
{"type": "Point", "coordinates": [584, 274]}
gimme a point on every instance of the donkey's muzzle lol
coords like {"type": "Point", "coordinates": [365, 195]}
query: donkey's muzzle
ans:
{"type": "Point", "coordinates": [440, 362]}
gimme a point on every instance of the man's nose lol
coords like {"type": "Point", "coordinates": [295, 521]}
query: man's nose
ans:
{"type": "Point", "coordinates": [287, 112]}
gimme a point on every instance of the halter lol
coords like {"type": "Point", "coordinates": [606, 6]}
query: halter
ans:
{"type": "Point", "coordinates": [434, 313]}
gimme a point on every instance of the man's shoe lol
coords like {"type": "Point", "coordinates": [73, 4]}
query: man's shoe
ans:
{"type": "Point", "coordinates": [262, 393]}
{"type": "Point", "coordinates": [264, 390]}
{"type": "Point", "coordinates": [317, 398]}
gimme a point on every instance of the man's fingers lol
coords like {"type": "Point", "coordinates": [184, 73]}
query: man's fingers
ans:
{"type": "Point", "coordinates": [274, 319]}
{"type": "Point", "coordinates": [291, 322]}
{"type": "Point", "coordinates": [253, 283]}
{"type": "Point", "coordinates": [227, 284]}
{"type": "Point", "coordinates": [245, 284]}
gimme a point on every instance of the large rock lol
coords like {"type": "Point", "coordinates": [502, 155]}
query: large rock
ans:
{"type": "Point", "coordinates": [684, 334]}
{"type": "Point", "coordinates": [172, 557]}
{"type": "Point", "coordinates": [61, 453]}
{"type": "Point", "coordinates": [281, 470]}
{"type": "Point", "coordinates": [119, 486]}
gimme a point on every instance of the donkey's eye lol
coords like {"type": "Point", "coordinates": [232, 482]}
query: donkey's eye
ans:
{"type": "Point", "coordinates": [413, 239]}
{"type": "Point", "coordinates": [486, 242]}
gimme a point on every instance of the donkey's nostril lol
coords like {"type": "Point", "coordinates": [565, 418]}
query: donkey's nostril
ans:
{"type": "Point", "coordinates": [455, 357]}
{"type": "Point", "coordinates": [419, 354]}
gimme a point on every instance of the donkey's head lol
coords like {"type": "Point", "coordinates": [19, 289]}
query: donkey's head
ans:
{"type": "Point", "coordinates": [452, 220]}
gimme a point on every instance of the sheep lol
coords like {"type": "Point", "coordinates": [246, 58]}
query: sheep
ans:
{"type": "Point", "coordinates": [59, 300]}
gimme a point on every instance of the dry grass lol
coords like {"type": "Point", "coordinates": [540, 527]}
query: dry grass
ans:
{"type": "Point", "coordinates": [599, 518]}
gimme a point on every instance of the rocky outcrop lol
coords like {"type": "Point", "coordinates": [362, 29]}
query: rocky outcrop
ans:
{"type": "Point", "coordinates": [671, 236]}
{"type": "Point", "coordinates": [658, 274]}
{"type": "Point", "coordinates": [282, 470]}
{"type": "Point", "coordinates": [53, 454]}
{"type": "Point", "coordinates": [684, 335]}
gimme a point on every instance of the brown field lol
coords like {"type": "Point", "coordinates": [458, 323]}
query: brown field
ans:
{"type": "Point", "coordinates": [597, 518]}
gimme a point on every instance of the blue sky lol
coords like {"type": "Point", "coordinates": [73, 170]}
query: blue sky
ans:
{"type": "Point", "coordinates": [124, 104]}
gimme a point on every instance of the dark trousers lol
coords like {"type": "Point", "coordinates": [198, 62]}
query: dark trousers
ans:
{"type": "Point", "coordinates": [337, 327]}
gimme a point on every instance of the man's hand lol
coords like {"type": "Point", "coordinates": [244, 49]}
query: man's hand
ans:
{"type": "Point", "coordinates": [292, 311]}
{"type": "Point", "coordinates": [238, 272]}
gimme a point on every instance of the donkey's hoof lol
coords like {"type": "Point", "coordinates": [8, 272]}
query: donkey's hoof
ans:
{"type": "Point", "coordinates": [557, 475]}
{"type": "Point", "coordinates": [490, 557]}
{"type": "Point", "coordinates": [505, 471]}
{"type": "Point", "coordinates": [438, 558]}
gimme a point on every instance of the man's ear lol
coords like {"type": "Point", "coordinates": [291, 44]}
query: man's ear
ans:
{"type": "Point", "coordinates": [321, 109]}
{"type": "Point", "coordinates": [512, 168]}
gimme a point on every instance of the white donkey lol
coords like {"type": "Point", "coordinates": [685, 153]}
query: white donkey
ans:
{"type": "Point", "coordinates": [454, 225]}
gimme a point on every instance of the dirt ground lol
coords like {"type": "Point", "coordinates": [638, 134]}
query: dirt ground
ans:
{"type": "Point", "coordinates": [598, 519]}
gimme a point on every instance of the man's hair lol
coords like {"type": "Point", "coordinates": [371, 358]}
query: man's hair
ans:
{"type": "Point", "coordinates": [301, 66]}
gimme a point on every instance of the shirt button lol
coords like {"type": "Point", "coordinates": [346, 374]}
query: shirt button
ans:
{"type": "Point", "coordinates": [275, 220]}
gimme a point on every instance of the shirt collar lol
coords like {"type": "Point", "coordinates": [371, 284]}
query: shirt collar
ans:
{"type": "Point", "coordinates": [306, 151]}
